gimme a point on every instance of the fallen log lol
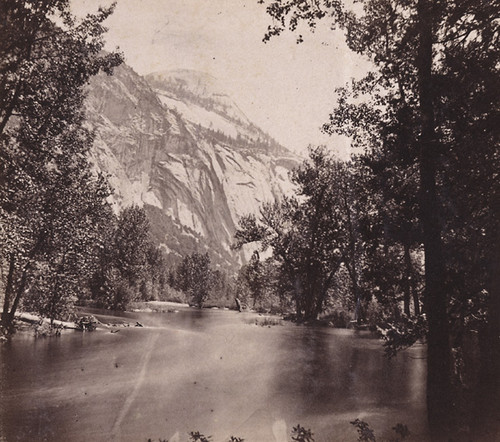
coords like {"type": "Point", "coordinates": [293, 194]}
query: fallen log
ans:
{"type": "Point", "coordinates": [34, 319]}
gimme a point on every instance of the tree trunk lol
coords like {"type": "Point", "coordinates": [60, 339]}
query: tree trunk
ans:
{"type": "Point", "coordinates": [19, 294]}
{"type": "Point", "coordinates": [407, 279]}
{"type": "Point", "coordinates": [352, 266]}
{"type": "Point", "coordinates": [439, 402]}
{"type": "Point", "coordinates": [6, 318]}
{"type": "Point", "coordinates": [410, 293]}
{"type": "Point", "coordinates": [359, 314]}
{"type": "Point", "coordinates": [312, 293]}
{"type": "Point", "coordinates": [416, 302]}
{"type": "Point", "coordinates": [298, 292]}
{"type": "Point", "coordinates": [324, 289]}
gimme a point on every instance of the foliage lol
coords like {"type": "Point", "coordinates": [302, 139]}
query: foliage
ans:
{"type": "Point", "coordinates": [365, 433]}
{"type": "Point", "coordinates": [221, 293]}
{"type": "Point", "coordinates": [131, 244]}
{"type": "Point", "coordinates": [301, 434]}
{"type": "Point", "coordinates": [267, 321]}
{"type": "Point", "coordinates": [258, 285]}
{"type": "Point", "coordinates": [196, 436]}
{"type": "Point", "coordinates": [195, 277]}
{"type": "Point", "coordinates": [130, 267]}
{"type": "Point", "coordinates": [403, 333]}
{"type": "Point", "coordinates": [253, 273]}
{"type": "Point", "coordinates": [312, 236]}
{"type": "Point", "coordinates": [44, 330]}
{"type": "Point", "coordinates": [402, 431]}
{"type": "Point", "coordinates": [49, 197]}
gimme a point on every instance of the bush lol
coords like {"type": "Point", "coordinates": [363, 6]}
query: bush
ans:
{"type": "Point", "coordinates": [196, 436]}
{"type": "Point", "coordinates": [267, 321]}
{"type": "Point", "coordinates": [300, 434]}
{"type": "Point", "coordinates": [365, 433]}
{"type": "Point", "coordinates": [337, 318]}
{"type": "Point", "coordinates": [44, 330]}
{"type": "Point", "coordinates": [172, 295]}
{"type": "Point", "coordinates": [123, 295]}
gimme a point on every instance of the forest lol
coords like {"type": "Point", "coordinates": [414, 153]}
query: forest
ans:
{"type": "Point", "coordinates": [404, 236]}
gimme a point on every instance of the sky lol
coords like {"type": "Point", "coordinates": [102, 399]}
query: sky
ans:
{"type": "Point", "coordinates": [285, 88]}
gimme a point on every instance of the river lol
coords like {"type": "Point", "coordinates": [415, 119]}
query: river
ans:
{"type": "Point", "coordinates": [211, 371]}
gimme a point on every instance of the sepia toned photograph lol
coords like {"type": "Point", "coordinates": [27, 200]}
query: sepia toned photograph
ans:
{"type": "Point", "coordinates": [249, 220]}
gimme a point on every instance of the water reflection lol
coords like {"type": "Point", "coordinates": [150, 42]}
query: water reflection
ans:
{"type": "Point", "coordinates": [338, 376]}
{"type": "Point", "coordinates": [210, 371]}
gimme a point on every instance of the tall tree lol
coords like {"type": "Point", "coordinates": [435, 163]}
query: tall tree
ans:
{"type": "Point", "coordinates": [467, 121]}
{"type": "Point", "coordinates": [71, 246]}
{"type": "Point", "coordinates": [46, 185]}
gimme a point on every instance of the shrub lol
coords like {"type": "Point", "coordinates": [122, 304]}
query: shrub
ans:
{"type": "Point", "coordinates": [300, 434]}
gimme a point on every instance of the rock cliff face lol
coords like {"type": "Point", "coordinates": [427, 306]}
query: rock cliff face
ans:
{"type": "Point", "coordinates": [176, 144]}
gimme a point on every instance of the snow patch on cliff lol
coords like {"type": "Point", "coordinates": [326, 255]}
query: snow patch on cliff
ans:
{"type": "Point", "coordinates": [198, 115]}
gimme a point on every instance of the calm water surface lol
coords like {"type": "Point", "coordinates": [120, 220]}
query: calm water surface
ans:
{"type": "Point", "coordinates": [211, 371]}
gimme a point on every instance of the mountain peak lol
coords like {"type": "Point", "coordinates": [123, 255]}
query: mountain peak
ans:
{"type": "Point", "coordinates": [198, 83]}
{"type": "Point", "coordinates": [201, 99]}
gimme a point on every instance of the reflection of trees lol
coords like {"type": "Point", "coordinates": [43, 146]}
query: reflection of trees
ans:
{"type": "Point", "coordinates": [341, 373]}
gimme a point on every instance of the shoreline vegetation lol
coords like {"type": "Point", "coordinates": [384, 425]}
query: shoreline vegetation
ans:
{"type": "Point", "coordinates": [85, 319]}
{"type": "Point", "coordinates": [302, 434]}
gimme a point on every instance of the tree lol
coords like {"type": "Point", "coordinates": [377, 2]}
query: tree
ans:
{"type": "Point", "coordinates": [156, 271]}
{"type": "Point", "coordinates": [131, 244]}
{"type": "Point", "coordinates": [46, 182]}
{"type": "Point", "coordinates": [467, 121]}
{"type": "Point", "coordinates": [71, 245]}
{"type": "Point", "coordinates": [194, 277]}
{"type": "Point", "coordinates": [312, 234]}
{"type": "Point", "coordinates": [258, 284]}
{"type": "Point", "coordinates": [413, 105]}
{"type": "Point", "coordinates": [101, 292]}
{"type": "Point", "coordinates": [254, 276]}
{"type": "Point", "coordinates": [130, 267]}
{"type": "Point", "coordinates": [328, 217]}
{"type": "Point", "coordinates": [221, 288]}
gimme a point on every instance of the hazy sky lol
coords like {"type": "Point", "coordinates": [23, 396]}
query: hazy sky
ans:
{"type": "Point", "coordinates": [285, 88]}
